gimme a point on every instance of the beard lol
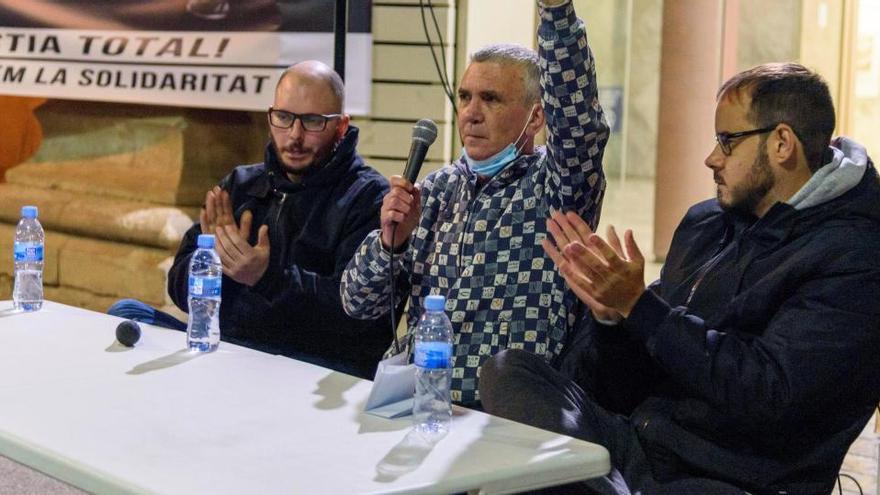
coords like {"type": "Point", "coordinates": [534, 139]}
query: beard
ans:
{"type": "Point", "coordinates": [320, 157]}
{"type": "Point", "coordinates": [746, 197]}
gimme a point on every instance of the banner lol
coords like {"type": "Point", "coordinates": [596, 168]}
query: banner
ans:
{"type": "Point", "coordinates": [195, 53]}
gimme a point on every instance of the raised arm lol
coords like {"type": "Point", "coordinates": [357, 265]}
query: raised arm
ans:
{"type": "Point", "coordinates": [577, 131]}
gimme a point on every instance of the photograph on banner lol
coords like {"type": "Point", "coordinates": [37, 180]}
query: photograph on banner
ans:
{"type": "Point", "coordinates": [224, 54]}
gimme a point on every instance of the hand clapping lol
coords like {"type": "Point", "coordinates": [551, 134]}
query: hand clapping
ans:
{"type": "Point", "coordinates": [606, 277]}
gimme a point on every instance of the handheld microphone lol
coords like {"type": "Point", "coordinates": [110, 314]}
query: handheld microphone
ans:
{"type": "Point", "coordinates": [423, 136]}
{"type": "Point", "coordinates": [128, 333]}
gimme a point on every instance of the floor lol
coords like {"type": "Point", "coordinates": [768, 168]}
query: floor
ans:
{"type": "Point", "coordinates": [630, 205]}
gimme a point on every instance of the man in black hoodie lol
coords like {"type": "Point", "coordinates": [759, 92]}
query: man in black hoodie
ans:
{"type": "Point", "coordinates": [285, 230]}
{"type": "Point", "coordinates": [753, 363]}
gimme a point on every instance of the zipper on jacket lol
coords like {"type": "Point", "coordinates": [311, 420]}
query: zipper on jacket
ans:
{"type": "Point", "coordinates": [704, 270]}
{"type": "Point", "coordinates": [275, 226]}
{"type": "Point", "coordinates": [467, 222]}
{"type": "Point", "coordinates": [280, 207]}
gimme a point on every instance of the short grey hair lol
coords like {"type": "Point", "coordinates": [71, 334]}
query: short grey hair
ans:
{"type": "Point", "coordinates": [513, 54]}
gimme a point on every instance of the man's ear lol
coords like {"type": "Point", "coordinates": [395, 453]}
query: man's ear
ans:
{"type": "Point", "coordinates": [342, 128]}
{"type": "Point", "coordinates": [784, 144]}
{"type": "Point", "coordinates": [536, 123]}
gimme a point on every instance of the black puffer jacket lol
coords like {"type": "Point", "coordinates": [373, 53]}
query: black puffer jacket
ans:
{"type": "Point", "coordinates": [755, 359]}
{"type": "Point", "coordinates": [314, 228]}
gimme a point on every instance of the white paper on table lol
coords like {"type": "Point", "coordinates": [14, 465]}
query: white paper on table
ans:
{"type": "Point", "coordinates": [393, 388]}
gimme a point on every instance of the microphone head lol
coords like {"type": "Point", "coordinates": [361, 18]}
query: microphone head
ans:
{"type": "Point", "coordinates": [425, 131]}
{"type": "Point", "coordinates": [128, 333]}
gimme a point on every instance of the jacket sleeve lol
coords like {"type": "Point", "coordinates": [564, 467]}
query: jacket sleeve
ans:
{"type": "Point", "coordinates": [366, 286]}
{"type": "Point", "coordinates": [577, 131]}
{"type": "Point", "coordinates": [821, 344]}
{"type": "Point", "coordinates": [611, 364]}
{"type": "Point", "coordinates": [178, 275]}
{"type": "Point", "coordinates": [284, 289]}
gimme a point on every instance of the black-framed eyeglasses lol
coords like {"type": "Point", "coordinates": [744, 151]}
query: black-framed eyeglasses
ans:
{"type": "Point", "coordinates": [312, 122]}
{"type": "Point", "coordinates": [724, 139]}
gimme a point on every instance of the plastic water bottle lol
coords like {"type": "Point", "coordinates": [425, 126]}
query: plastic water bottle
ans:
{"type": "Point", "coordinates": [27, 294]}
{"type": "Point", "coordinates": [432, 408]}
{"type": "Point", "coordinates": [205, 277]}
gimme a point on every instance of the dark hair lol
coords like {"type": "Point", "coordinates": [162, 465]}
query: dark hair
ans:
{"type": "Point", "coordinates": [792, 94]}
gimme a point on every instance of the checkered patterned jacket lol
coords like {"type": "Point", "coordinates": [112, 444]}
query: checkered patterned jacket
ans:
{"type": "Point", "coordinates": [480, 247]}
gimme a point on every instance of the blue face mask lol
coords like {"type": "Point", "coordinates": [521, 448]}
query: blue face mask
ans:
{"type": "Point", "coordinates": [492, 165]}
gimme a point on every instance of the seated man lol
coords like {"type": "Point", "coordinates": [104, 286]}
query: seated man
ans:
{"type": "Point", "coordinates": [470, 231]}
{"type": "Point", "coordinates": [752, 364]}
{"type": "Point", "coordinates": [285, 230]}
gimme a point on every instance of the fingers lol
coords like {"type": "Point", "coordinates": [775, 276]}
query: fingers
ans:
{"type": "Point", "coordinates": [230, 246]}
{"type": "Point", "coordinates": [244, 224]}
{"type": "Point", "coordinates": [401, 207]}
{"type": "Point", "coordinates": [263, 237]}
{"type": "Point", "coordinates": [614, 240]}
{"type": "Point", "coordinates": [553, 252]}
{"type": "Point", "coordinates": [604, 250]}
{"type": "Point", "coordinates": [632, 249]}
{"type": "Point", "coordinates": [223, 205]}
{"type": "Point", "coordinates": [578, 224]}
{"type": "Point", "coordinates": [210, 213]}
{"type": "Point", "coordinates": [203, 222]}
{"type": "Point", "coordinates": [586, 261]}
{"type": "Point", "coordinates": [400, 182]}
{"type": "Point", "coordinates": [396, 205]}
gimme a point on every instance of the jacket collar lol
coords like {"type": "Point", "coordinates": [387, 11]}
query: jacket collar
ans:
{"type": "Point", "coordinates": [516, 169]}
{"type": "Point", "coordinates": [332, 171]}
{"type": "Point", "coordinates": [783, 220]}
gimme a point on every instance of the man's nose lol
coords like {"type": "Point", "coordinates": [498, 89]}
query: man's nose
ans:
{"type": "Point", "coordinates": [715, 158]}
{"type": "Point", "coordinates": [296, 130]}
{"type": "Point", "coordinates": [470, 112]}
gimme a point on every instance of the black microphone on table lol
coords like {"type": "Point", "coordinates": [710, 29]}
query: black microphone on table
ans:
{"type": "Point", "coordinates": [128, 333]}
{"type": "Point", "coordinates": [423, 136]}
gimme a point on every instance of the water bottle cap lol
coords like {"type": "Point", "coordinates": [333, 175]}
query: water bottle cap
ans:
{"type": "Point", "coordinates": [29, 211]}
{"type": "Point", "coordinates": [435, 303]}
{"type": "Point", "coordinates": [206, 241]}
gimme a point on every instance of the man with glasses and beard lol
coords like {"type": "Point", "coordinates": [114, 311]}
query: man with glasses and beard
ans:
{"type": "Point", "coordinates": [285, 230]}
{"type": "Point", "coordinates": [752, 364]}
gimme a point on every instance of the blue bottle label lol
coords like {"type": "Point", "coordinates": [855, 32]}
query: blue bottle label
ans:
{"type": "Point", "coordinates": [28, 252]}
{"type": "Point", "coordinates": [432, 355]}
{"type": "Point", "coordinates": [204, 286]}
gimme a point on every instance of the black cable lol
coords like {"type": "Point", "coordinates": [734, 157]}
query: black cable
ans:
{"type": "Point", "coordinates": [851, 478]}
{"type": "Point", "coordinates": [391, 278]}
{"type": "Point", "coordinates": [442, 44]}
{"type": "Point", "coordinates": [441, 72]}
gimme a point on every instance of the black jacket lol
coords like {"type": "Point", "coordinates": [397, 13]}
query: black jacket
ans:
{"type": "Point", "coordinates": [766, 372]}
{"type": "Point", "coordinates": [314, 228]}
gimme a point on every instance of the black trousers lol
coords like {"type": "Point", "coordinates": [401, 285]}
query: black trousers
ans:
{"type": "Point", "coordinates": [519, 385]}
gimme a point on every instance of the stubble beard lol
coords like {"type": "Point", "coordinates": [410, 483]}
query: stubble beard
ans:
{"type": "Point", "coordinates": [746, 197]}
{"type": "Point", "coordinates": [321, 157]}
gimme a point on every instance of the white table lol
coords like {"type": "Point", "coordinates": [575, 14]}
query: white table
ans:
{"type": "Point", "coordinates": [156, 419]}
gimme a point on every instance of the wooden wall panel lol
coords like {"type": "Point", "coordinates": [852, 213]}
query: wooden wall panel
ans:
{"type": "Point", "coordinates": [406, 86]}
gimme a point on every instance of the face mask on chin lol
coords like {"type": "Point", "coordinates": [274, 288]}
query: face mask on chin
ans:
{"type": "Point", "coordinates": [490, 166]}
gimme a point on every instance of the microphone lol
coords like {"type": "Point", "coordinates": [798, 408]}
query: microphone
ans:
{"type": "Point", "coordinates": [423, 136]}
{"type": "Point", "coordinates": [128, 333]}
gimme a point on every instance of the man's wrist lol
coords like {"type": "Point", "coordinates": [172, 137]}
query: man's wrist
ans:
{"type": "Point", "coordinates": [627, 308]}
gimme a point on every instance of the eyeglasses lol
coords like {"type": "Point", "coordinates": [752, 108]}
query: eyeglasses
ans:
{"type": "Point", "coordinates": [312, 122]}
{"type": "Point", "coordinates": [724, 139]}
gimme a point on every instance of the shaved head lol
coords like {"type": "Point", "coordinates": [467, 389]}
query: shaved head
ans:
{"type": "Point", "coordinates": [311, 72]}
